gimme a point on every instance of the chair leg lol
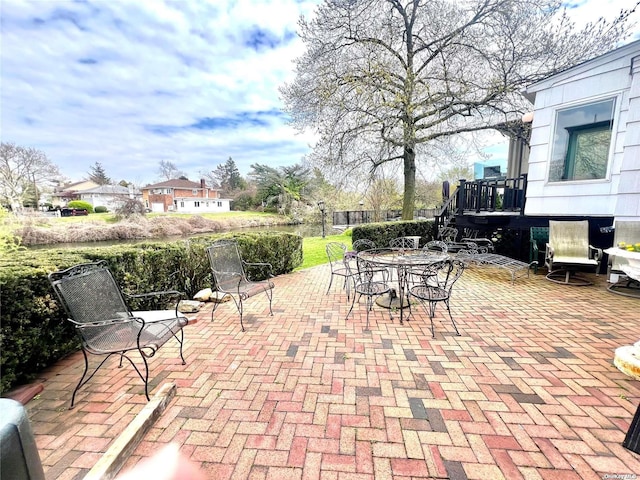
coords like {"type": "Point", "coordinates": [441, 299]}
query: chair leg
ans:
{"type": "Point", "coordinates": [432, 313]}
{"type": "Point", "coordinates": [146, 375]}
{"type": "Point", "coordinates": [86, 368]}
{"type": "Point", "coordinates": [269, 292]}
{"type": "Point", "coordinates": [353, 302]}
{"type": "Point", "coordinates": [369, 308]}
{"type": "Point", "coordinates": [451, 317]}
{"type": "Point", "coordinates": [330, 282]}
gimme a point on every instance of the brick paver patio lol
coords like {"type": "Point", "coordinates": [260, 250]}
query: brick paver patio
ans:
{"type": "Point", "coordinates": [528, 391]}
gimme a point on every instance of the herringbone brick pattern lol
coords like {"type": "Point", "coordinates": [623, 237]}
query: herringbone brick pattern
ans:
{"type": "Point", "coordinates": [528, 391]}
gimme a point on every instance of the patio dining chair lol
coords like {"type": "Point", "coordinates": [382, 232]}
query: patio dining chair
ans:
{"type": "Point", "coordinates": [436, 287]}
{"type": "Point", "coordinates": [339, 265]}
{"type": "Point", "coordinates": [96, 307]}
{"type": "Point", "coordinates": [568, 252]}
{"type": "Point", "coordinates": [231, 276]}
{"type": "Point", "coordinates": [366, 284]}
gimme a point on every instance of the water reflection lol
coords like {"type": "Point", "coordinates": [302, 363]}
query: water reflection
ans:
{"type": "Point", "coordinates": [304, 230]}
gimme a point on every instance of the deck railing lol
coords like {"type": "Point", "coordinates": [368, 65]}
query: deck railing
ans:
{"type": "Point", "coordinates": [485, 195]}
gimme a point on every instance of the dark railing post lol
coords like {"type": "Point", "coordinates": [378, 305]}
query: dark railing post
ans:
{"type": "Point", "coordinates": [461, 200]}
{"type": "Point", "coordinates": [524, 193]}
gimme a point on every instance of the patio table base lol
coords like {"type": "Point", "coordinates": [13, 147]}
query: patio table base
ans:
{"type": "Point", "coordinates": [391, 300]}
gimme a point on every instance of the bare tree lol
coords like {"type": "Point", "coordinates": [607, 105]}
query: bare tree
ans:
{"type": "Point", "coordinates": [21, 171]}
{"type": "Point", "coordinates": [169, 171]}
{"type": "Point", "coordinates": [382, 80]}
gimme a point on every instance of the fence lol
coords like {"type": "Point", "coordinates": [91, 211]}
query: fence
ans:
{"type": "Point", "coordinates": [358, 217]}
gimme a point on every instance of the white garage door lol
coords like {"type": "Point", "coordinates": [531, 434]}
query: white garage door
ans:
{"type": "Point", "coordinates": [157, 207]}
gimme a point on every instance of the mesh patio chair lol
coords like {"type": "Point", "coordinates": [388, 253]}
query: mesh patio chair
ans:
{"type": "Point", "coordinates": [568, 251]}
{"type": "Point", "coordinates": [96, 307]}
{"type": "Point", "coordinates": [436, 287]}
{"type": "Point", "coordinates": [230, 276]}
{"type": "Point", "coordinates": [628, 232]}
{"type": "Point", "coordinates": [339, 264]}
{"type": "Point", "coordinates": [366, 284]}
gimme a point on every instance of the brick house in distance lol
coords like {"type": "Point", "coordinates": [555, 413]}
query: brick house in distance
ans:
{"type": "Point", "coordinates": [184, 196]}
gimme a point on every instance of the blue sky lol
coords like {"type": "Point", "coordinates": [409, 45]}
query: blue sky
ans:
{"type": "Point", "coordinates": [129, 83]}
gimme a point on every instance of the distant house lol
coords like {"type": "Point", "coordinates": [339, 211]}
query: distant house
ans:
{"type": "Point", "coordinates": [71, 191]}
{"type": "Point", "coordinates": [184, 196]}
{"type": "Point", "coordinates": [110, 196]}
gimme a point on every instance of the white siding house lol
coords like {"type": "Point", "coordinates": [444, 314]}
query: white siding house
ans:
{"type": "Point", "coordinates": [110, 196]}
{"type": "Point", "coordinates": [585, 139]}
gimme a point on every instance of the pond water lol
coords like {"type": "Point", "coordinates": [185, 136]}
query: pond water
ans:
{"type": "Point", "coordinates": [304, 230]}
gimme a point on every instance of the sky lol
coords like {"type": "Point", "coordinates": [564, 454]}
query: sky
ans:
{"type": "Point", "coordinates": [130, 83]}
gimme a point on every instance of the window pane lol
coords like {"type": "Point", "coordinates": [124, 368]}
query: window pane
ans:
{"type": "Point", "coordinates": [582, 137]}
{"type": "Point", "coordinates": [592, 150]}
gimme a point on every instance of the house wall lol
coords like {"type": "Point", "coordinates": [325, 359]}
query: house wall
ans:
{"type": "Point", "coordinates": [187, 201]}
{"type": "Point", "coordinates": [206, 205]}
{"type": "Point", "coordinates": [608, 77]}
{"type": "Point", "coordinates": [101, 200]}
{"type": "Point", "coordinates": [628, 201]}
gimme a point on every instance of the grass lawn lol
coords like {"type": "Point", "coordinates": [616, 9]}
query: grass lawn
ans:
{"type": "Point", "coordinates": [313, 249]}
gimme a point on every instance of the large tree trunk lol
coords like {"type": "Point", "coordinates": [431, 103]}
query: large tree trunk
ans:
{"type": "Point", "coordinates": [408, 200]}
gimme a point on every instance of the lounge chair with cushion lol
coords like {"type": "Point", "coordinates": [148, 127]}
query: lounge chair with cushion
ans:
{"type": "Point", "coordinates": [569, 252]}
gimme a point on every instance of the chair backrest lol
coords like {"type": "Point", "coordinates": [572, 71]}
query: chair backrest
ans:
{"type": "Point", "coordinates": [402, 242]}
{"type": "Point", "coordinates": [89, 293]}
{"type": "Point", "coordinates": [448, 272]}
{"type": "Point", "coordinates": [226, 264]}
{"type": "Point", "coordinates": [627, 231]}
{"type": "Point", "coordinates": [539, 235]}
{"type": "Point", "coordinates": [435, 246]}
{"type": "Point", "coordinates": [569, 238]}
{"type": "Point", "coordinates": [336, 252]}
{"type": "Point", "coordinates": [447, 234]}
{"type": "Point", "coordinates": [363, 244]}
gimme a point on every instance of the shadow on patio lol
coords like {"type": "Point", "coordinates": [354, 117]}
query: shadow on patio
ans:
{"type": "Point", "coordinates": [528, 391]}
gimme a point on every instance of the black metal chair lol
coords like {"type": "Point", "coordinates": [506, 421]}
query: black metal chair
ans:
{"type": "Point", "coordinates": [96, 307]}
{"type": "Point", "coordinates": [230, 277]}
{"type": "Point", "coordinates": [436, 288]}
{"type": "Point", "coordinates": [365, 283]}
{"type": "Point", "coordinates": [339, 264]}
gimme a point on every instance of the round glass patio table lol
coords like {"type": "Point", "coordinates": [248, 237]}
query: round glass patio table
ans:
{"type": "Point", "coordinates": [403, 261]}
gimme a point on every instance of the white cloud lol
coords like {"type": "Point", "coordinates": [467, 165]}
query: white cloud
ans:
{"type": "Point", "coordinates": [124, 82]}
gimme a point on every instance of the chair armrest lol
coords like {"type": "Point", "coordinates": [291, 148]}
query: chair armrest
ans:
{"type": "Point", "coordinates": [105, 323]}
{"type": "Point", "coordinates": [596, 252]}
{"type": "Point", "coordinates": [534, 247]}
{"type": "Point", "coordinates": [261, 266]}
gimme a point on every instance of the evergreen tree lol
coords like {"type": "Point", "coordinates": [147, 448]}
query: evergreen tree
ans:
{"type": "Point", "coordinates": [98, 175]}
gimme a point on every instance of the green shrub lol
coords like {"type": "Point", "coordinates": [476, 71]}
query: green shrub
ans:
{"type": "Point", "coordinates": [100, 209]}
{"type": "Point", "coordinates": [80, 205]}
{"type": "Point", "coordinates": [33, 330]}
{"type": "Point", "coordinates": [382, 233]}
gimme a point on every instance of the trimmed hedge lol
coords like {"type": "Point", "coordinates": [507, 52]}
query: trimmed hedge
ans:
{"type": "Point", "coordinates": [34, 333]}
{"type": "Point", "coordinates": [382, 233]}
